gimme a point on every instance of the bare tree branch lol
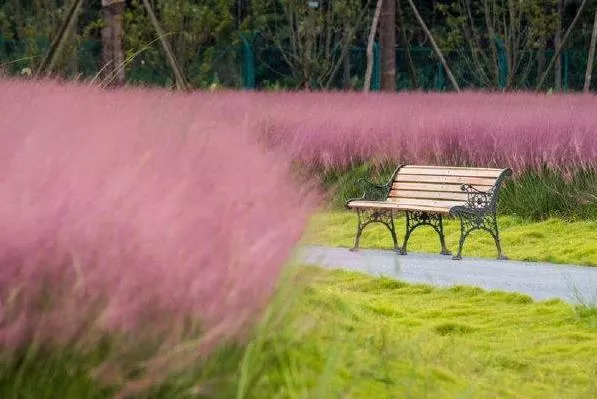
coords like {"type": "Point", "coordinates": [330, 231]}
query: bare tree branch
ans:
{"type": "Point", "coordinates": [405, 42]}
{"type": "Point", "coordinates": [434, 45]}
{"type": "Point", "coordinates": [372, 31]}
{"type": "Point", "coordinates": [181, 83]}
{"type": "Point", "coordinates": [563, 44]}
{"type": "Point", "coordinates": [49, 61]}
{"type": "Point", "coordinates": [591, 58]}
{"type": "Point", "coordinates": [346, 45]}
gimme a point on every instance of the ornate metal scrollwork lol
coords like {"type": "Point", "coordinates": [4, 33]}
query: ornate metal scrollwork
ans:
{"type": "Point", "coordinates": [367, 216]}
{"type": "Point", "coordinates": [415, 219]}
{"type": "Point", "coordinates": [479, 200]}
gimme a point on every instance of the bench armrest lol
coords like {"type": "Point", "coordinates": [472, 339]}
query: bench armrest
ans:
{"type": "Point", "coordinates": [372, 191]}
{"type": "Point", "coordinates": [478, 202]}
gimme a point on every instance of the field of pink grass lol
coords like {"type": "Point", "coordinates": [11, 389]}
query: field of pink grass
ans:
{"type": "Point", "coordinates": [135, 212]}
{"type": "Point", "coordinates": [518, 130]}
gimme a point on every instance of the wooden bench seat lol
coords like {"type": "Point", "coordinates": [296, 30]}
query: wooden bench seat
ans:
{"type": "Point", "coordinates": [426, 194]}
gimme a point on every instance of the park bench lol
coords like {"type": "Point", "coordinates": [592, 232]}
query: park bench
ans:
{"type": "Point", "coordinates": [428, 193]}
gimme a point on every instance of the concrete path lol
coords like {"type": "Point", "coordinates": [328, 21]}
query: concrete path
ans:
{"type": "Point", "coordinates": [574, 284]}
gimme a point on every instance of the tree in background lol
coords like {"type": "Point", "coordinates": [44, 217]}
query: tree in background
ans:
{"type": "Point", "coordinates": [194, 30]}
{"type": "Point", "coordinates": [505, 44]}
{"type": "Point", "coordinates": [112, 39]}
{"type": "Point", "coordinates": [312, 36]}
{"type": "Point", "coordinates": [499, 40]}
{"type": "Point", "coordinates": [28, 27]}
{"type": "Point", "coordinates": [387, 36]}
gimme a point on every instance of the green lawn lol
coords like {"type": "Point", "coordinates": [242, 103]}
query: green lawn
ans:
{"type": "Point", "coordinates": [353, 336]}
{"type": "Point", "coordinates": [553, 240]}
{"type": "Point", "coordinates": [336, 334]}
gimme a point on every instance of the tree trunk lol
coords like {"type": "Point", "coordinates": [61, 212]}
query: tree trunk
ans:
{"type": "Point", "coordinates": [409, 61]}
{"type": "Point", "coordinates": [557, 44]}
{"type": "Point", "coordinates": [564, 40]}
{"type": "Point", "coordinates": [387, 35]}
{"type": "Point", "coordinates": [112, 38]}
{"type": "Point", "coordinates": [591, 59]}
{"type": "Point", "coordinates": [434, 45]}
{"type": "Point", "coordinates": [370, 41]}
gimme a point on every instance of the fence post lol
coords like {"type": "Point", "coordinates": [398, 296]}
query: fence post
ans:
{"type": "Point", "coordinates": [502, 64]}
{"type": "Point", "coordinates": [248, 64]}
{"type": "Point", "coordinates": [566, 65]}
{"type": "Point", "coordinates": [440, 79]}
{"type": "Point", "coordinates": [376, 78]}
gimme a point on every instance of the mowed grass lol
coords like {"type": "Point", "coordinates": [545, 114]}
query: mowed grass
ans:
{"type": "Point", "coordinates": [552, 240]}
{"type": "Point", "coordinates": [355, 336]}
{"type": "Point", "coordinates": [332, 334]}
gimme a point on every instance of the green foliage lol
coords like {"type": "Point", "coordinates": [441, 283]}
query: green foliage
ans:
{"type": "Point", "coordinates": [481, 32]}
{"type": "Point", "coordinates": [538, 196]}
{"type": "Point", "coordinates": [202, 36]}
{"type": "Point", "coordinates": [310, 38]}
{"type": "Point", "coordinates": [296, 46]}
{"type": "Point", "coordinates": [28, 28]}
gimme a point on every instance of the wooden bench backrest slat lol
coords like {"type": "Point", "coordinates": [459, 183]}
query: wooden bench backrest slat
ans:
{"type": "Point", "coordinates": [425, 202]}
{"type": "Point", "coordinates": [459, 180]}
{"type": "Point", "coordinates": [442, 195]}
{"type": "Point", "coordinates": [446, 167]}
{"type": "Point", "coordinates": [448, 188]}
{"type": "Point", "coordinates": [438, 187]}
{"type": "Point", "coordinates": [486, 173]}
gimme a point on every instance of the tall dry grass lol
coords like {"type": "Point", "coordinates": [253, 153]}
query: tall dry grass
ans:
{"type": "Point", "coordinates": [523, 131]}
{"type": "Point", "coordinates": [138, 214]}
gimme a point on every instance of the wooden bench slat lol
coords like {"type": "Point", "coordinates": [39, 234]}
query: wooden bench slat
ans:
{"type": "Point", "coordinates": [444, 179]}
{"type": "Point", "coordinates": [447, 167]}
{"type": "Point", "coordinates": [453, 188]}
{"type": "Point", "coordinates": [450, 172]}
{"type": "Point", "coordinates": [373, 204]}
{"type": "Point", "coordinates": [398, 207]}
{"type": "Point", "coordinates": [443, 211]}
{"type": "Point", "coordinates": [426, 202]}
{"type": "Point", "coordinates": [442, 195]}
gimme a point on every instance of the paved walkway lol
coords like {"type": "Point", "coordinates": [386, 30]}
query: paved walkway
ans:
{"type": "Point", "coordinates": [575, 284]}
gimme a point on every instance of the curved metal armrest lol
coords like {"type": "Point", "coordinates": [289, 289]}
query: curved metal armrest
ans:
{"type": "Point", "coordinates": [478, 202]}
{"type": "Point", "coordinates": [371, 191]}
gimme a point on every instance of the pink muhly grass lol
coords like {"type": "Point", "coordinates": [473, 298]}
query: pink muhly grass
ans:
{"type": "Point", "coordinates": [518, 130]}
{"type": "Point", "coordinates": [134, 211]}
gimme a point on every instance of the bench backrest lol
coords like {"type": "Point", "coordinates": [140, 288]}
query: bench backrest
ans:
{"type": "Point", "coordinates": [441, 187]}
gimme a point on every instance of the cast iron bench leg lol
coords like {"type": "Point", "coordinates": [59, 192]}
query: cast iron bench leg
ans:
{"type": "Point", "coordinates": [385, 217]}
{"type": "Point", "coordinates": [415, 219]}
{"type": "Point", "coordinates": [470, 222]}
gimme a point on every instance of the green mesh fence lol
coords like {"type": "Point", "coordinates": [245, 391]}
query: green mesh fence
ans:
{"type": "Point", "coordinates": [253, 65]}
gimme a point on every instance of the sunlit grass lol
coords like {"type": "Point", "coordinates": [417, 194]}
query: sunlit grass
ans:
{"type": "Point", "coordinates": [355, 336]}
{"type": "Point", "coordinates": [552, 240]}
